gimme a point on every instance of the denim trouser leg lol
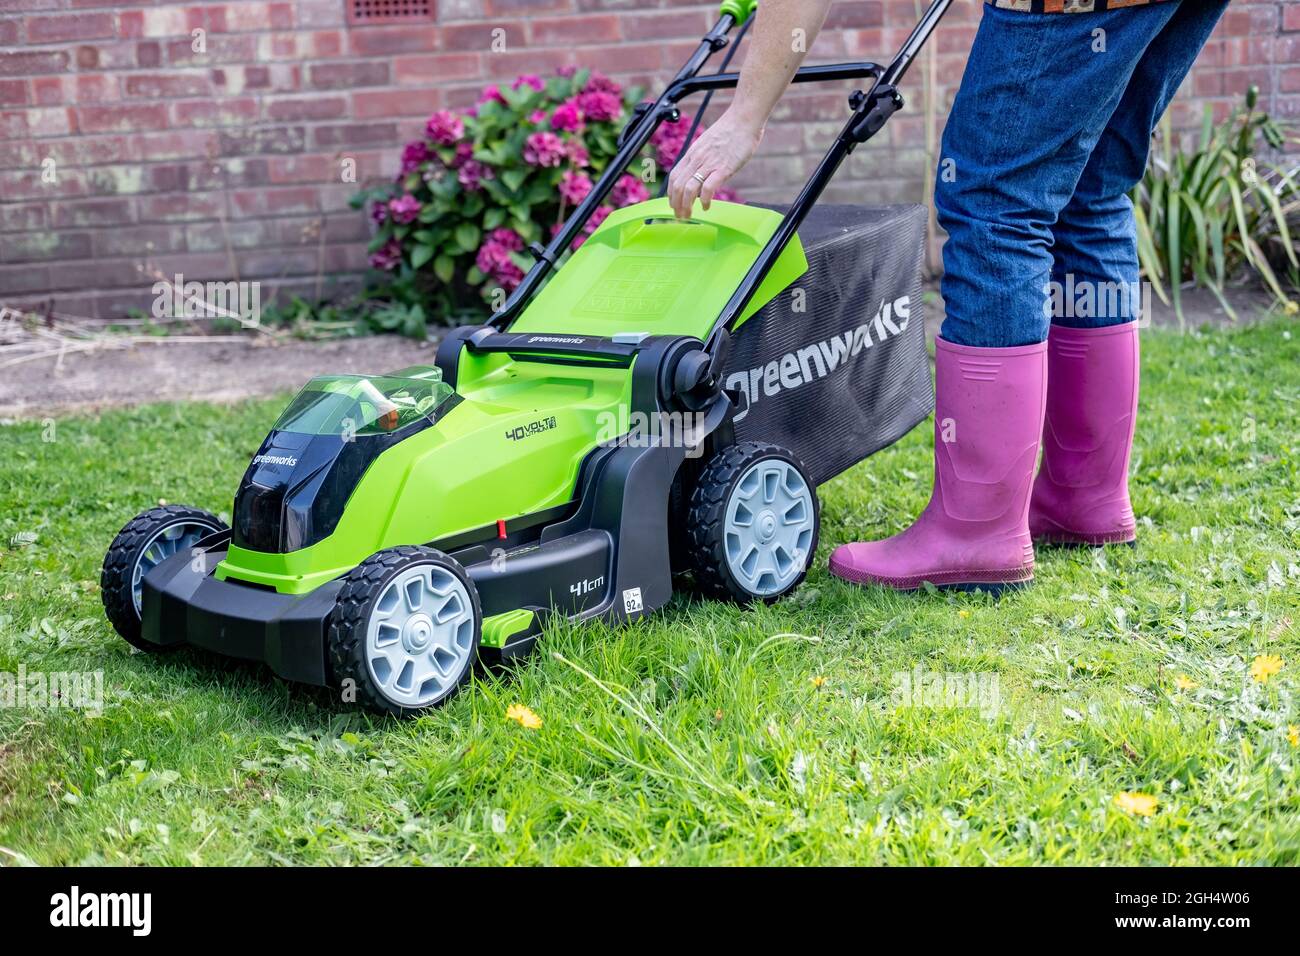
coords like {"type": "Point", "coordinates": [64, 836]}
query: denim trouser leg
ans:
{"type": "Point", "coordinates": [1037, 96]}
{"type": "Point", "coordinates": [1096, 233]}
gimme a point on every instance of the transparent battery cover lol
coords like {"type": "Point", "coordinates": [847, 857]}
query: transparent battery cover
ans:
{"type": "Point", "coordinates": [364, 404]}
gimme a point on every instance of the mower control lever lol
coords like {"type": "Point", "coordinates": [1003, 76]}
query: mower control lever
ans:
{"type": "Point", "coordinates": [872, 111]}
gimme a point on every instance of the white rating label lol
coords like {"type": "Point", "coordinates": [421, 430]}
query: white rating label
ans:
{"type": "Point", "coordinates": [632, 600]}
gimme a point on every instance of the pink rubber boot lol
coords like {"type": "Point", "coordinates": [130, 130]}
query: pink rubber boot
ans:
{"type": "Point", "coordinates": [988, 418]}
{"type": "Point", "coordinates": [1081, 494]}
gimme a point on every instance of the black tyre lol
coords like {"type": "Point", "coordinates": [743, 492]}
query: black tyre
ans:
{"type": "Point", "coordinates": [146, 541]}
{"type": "Point", "coordinates": [753, 521]}
{"type": "Point", "coordinates": [405, 631]}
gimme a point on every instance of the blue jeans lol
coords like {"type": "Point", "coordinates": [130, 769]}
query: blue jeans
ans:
{"type": "Point", "coordinates": [1048, 133]}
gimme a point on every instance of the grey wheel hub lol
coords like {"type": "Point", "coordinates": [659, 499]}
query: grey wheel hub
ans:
{"type": "Point", "coordinates": [769, 527]}
{"type": "Point", "coordinates": [182, 536]}
{"type": "Point", "coordinates": [420, 635]}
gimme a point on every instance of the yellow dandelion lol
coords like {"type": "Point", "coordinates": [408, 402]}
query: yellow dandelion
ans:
{"type": "Point", "coordinates": [717, 714]}
{"type": "Point", "coordinates": [1183, 682]}
{"type": "Point", "coordinates": [1136, 804]}
{"type": "Point", "coordinates": [817, 681]}
{"type": "Point", "coordinates": [964, 612]}
{"type": "Point", "coordinates": [1291, 307]}
{"type": "Point", "coordinates": [525, 717]}
{"type": "Point", "coordinates": [1293, 735]}
{"type": "Point", "coordinates": [1265, 666]}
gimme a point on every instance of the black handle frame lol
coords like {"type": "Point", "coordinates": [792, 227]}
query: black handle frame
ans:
{"type": "Point", "coordinates": [871, 110]}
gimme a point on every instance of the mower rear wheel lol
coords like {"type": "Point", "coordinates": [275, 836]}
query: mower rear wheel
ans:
{"type": "Point", "coordinates": [144, 542]}
{"type": "Point", "coordinates": [405, 630]}
{"type": "Point", "coordinates": [753, 522]}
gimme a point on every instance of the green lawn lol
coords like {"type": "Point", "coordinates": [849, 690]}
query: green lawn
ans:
{"type": "Point", "coordinates": [709, 734]}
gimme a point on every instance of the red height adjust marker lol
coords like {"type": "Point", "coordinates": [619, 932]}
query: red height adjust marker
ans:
{"type": "Point", "coordinates": [501, 528]}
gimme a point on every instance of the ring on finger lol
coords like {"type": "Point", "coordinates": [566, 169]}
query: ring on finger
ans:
{"type": "Point", "coordinates": [699, 177]}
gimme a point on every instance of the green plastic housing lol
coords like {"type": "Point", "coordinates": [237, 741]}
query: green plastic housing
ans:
{"type": "Point", "coordinates": [514, 442]}
{"type": "Point", "coordinates": [644, 270]}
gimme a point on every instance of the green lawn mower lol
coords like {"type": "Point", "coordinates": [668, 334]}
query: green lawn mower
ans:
{"type": "Point", "coordinates": [662, 409]}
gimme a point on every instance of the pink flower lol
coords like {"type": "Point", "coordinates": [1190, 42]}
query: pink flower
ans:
{"type": "Point", "coordinates": [387, 256]}
{"type": "Point", "coordinates": [445, 127]}
{"type": "Point", "coordinates": [472, 173]}
{"type": "Point", "coordinates": [597, 217]}
{"type": "Point", "coordinates": [600, 83]}
{"type": "Point", "coordinates": [567, 70]}
{"type": "Point", "coordinates": [574, 187]}
{"type": "Point", "coordinates": [599, 105]}
{"type": "Point", "coordinates": [577, 153]}
{"type": "Point", "coordinates": [628, 190]}
{"type": "Point", "coordinates": [669, 139]}
{"type": "Point", "coordinates": [529, 79]}
{"type": "Point", "coordinates": [508, 238]}
{"type": "Point", "coordinates": [414, 155]}
{"type": "Point", "coordinates": [567, 117]}
{"type": "Point", "coordinates": [492, 93]}
{"type": "Point", "coordinates": [727, 194]}
{"type": "Point", "coordinates": [464, 151]}
{"type": "Point", "coordinates": [543, 149]}
{"type": "Point", "coordinates": [379, 212]}
{"type": "Point", "coordinates": [493, 260]}
{"type": "Point", "coordinates": [404, 208]}
{"type": "Point", "coordinates": [537, 117]}
{"type": "Point", "coordinates": [491, 255]}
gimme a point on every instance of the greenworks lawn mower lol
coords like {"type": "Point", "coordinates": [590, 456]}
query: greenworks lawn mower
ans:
{"type": "Point", "coordinates": [662, 409]}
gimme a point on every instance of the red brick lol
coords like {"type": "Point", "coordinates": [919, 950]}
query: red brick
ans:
{"type": "Point", "coordinates": [29, 63]}
{"type": "Point", "coordinates": [574, 31]}
{"type": "Point", "coordinates": [130, 24]}
{"type": "Point", "coordinates": [440, 68]}
{"type": "Point", "coordinates": [91, 212]}
{"type": "Point", "coordinates": [9, 32]}
{"type": "Point", "coordinates": [219, 112]}
{"type": "Point", "coordinates": [383, 41]}
{"type": "Point", "coordinates": [167, 85]}
{"type": "Point", "coordinates": [380, 103]}
{"type": "Point", "coordinates": [307, 108]}
{"type": "Point", "coordinates": [664, 25]}
{"type": "Point", "coordinates": [1291, 17]}
{"type": "Point", "coordinates": [288, 199]}
{"type": "Point", "coordinates": [13, 93]}
{"type": "Point", "coordinates": [188, 206]}
{"type": "Point", "coordinates": [77, 26]}
{"type": "Point", "coordinates": [112, 119]}
{"type": "Point", "coordinates": [336, 76]}
{"type": "Point", "coordinates": [480, 37]}
{"type": "Point", "coordinates": [314, 168]}
{"type": "Point", "coordinates": [351, 134]}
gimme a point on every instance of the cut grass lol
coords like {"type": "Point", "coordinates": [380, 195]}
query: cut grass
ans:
{"type": "Point", "coordinates": [700, 735]}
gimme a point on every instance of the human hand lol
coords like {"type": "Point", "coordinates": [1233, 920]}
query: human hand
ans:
{"type": "Point", "coordinates": [711, 160]}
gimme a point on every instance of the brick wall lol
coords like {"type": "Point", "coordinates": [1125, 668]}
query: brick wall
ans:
{"type": "Point", "coordinates": [126, 153]}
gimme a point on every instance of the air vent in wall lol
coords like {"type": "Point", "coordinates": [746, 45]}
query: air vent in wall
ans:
{"type": "Point", "coordinates": [362, 12]}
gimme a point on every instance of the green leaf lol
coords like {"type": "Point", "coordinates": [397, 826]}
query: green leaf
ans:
{"type": "Point", "coordinates": [467, 236]}
{"type": "Point", "coordinates": [444, 267]}
{"type": "Point", "coordinates": [421, 254]}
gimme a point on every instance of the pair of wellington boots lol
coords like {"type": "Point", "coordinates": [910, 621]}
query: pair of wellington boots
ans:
{"type": "Point", "coordinates": [1074, 395]}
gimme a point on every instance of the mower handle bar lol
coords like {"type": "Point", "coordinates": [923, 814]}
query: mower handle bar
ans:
{"type": "Point", "coordinates": [870, 111]}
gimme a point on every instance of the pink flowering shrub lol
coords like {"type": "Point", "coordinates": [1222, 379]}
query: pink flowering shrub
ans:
{"type": "Point", "coordinates": [480, 185]}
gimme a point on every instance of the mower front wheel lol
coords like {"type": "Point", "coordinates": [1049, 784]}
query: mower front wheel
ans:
{"type": "Point", "coordinates": [405, 630]}
{"type": "Point", "coordinates": [145, 542]}
{"type": "Point", "coordinates": [753, 523]}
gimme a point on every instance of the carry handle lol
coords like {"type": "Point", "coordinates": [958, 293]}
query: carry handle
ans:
{"type": "Point", "coordinates": [739, 10]}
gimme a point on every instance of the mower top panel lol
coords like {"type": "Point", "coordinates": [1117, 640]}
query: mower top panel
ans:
{"type": "Point", "coordinates": [643, 270]}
